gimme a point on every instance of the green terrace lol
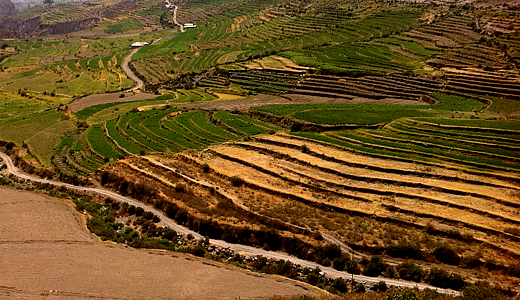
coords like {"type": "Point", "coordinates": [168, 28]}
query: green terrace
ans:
{"type": "Point", "coordinates": [156, 130]}
{"type": "Point", "coordinates": [370, 114]}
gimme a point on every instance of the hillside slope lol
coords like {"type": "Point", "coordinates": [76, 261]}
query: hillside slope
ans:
{"type": "Point", "coordinates": [6, 9]}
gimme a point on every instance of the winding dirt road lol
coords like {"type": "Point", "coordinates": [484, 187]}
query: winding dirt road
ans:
{"type": "Point", "coordinates": [138, 82]}
{"type": "Point", "coordinates": [175, 19]}
{"type": "Point", "coordinates": [247, 250]}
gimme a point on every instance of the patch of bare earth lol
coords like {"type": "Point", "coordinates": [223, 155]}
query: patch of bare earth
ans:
{"type": "Point", "coordinates": [46, 252]}
{"type": "Point", "coordinates": [96, 99]}
{"type": "Point", "coordinates": [262, 99]}
{"type": "Point", "coordinates": [239, 104]}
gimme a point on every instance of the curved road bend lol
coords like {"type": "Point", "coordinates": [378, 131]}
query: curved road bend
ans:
{"type": "Point", "coordinates": [175, 19]}
{"type": "Point", "coordinates": [138, 82]}
{"type": "Point", "coordinates": [248, 250]}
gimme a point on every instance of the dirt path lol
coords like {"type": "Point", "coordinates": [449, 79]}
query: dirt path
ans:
{"type": "Point", "coordinates": [247, 250]}
{"type": "Point", "coordinates": [138, 82]}
{"type": "Point", "coordinates": [175, 19]}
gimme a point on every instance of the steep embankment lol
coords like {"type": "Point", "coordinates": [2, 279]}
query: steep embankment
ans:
{"type": "Point", "coordinates": [6, 9]}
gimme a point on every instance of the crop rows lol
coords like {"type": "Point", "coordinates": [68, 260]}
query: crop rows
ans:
{"type": "Point", "coordinates": [412, 193]}
{"type": "Point", "coordinates": [376, 87]}
{"type": "Point", "coordinates": [150, 131]}
{"type": "Point", "coordinates": [266, 81]}
{"type": "Point", "coordinates": [471, 56]}
{"type": "Point", "coordinates": [451, 32]}
{"type": "Point", "coordinates": [499, 84]}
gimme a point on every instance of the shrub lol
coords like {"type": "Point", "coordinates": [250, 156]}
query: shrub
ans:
{"type": "Point", "coordinates": [380, 286]}
{"type": "Point", "coordinates": [296, 126]}
{"type": "Point", "coordinates": [236, 180]}
{"type": "Point", "coordinates": [482, 291]}
{"type": "Point", "coordinates": [206, 167]}
{"type": "Point", "coordinates": [198, 251]}
{"type": "Point", "coordinates": [375, 267]}
{"type": "Point", "coordinates": [404, 250]}
{"type": "Point", "coordinates": [447, 255]}
{"type": "Point", "coordinates": [443, 279]}
{"type": "Point", "coordinates": [180, 188]}
{"type": "Point", "coordinates": [410, 271]}
{"type": "Point", "coordinates": [404, 295]}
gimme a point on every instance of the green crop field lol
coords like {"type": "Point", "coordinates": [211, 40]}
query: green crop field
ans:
{"type": "Point", "coordinates": [367, 114]}
{"type": "Point", "coordinates": [100, 144]}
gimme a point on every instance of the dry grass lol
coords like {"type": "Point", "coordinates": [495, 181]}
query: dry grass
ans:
{"type": "Point", "coordinates": [316, 180]}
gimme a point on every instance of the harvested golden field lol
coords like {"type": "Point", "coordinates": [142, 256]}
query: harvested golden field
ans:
{"type": "Point", "coordinates": [46, 252]}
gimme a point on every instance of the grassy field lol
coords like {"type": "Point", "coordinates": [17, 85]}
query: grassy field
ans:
{"type": "Point", "coordinates": [368, 114]}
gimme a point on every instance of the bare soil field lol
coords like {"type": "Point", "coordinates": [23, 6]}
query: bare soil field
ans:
{"type": "Point", "coordinates": [245, 104]}
{"type": "Point", "coordinates": [239, 104]}
{"type": "Point", "coordinates": [96, 99]}
{"type": "Point", "coordinates": [34, 217]}
{"type": "Point", "coordinates": [46, 252]}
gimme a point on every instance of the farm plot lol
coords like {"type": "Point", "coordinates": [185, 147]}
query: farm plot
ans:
{"type": "Point", "coordinates": [266, 81]}
{"type": "Point", "coordinates": [503, 84]}
{"type": "Point", "coordinates": [162, 130]}
{"type": "Point", "coordinates": [449, 32]}
{"type": "Point", "coordinates": [372, 87]}
{"type": "Point", "coordinates": [370, 113]}
{"type": "Point", "coordinates": [476, 56]}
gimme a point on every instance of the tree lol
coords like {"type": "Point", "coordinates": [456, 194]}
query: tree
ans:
{"type": "Point", "coordinates": [338, 263]}
{"type": "Point", "coordinates": [375, 267]}
{"type": "Point", "coordinates": [353, 267]}
{"type": "Point", "coordinates": [380, 286]}
{"type": "Point", "coordinates": [438, 278]}
{"type": "Point", "coordinates": [340, 285]}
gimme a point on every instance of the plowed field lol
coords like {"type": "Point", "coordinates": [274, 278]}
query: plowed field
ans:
{"type": "Point", "coordinates": [46, 252]}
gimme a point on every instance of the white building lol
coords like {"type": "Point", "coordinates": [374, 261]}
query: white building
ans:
{"type": "Point", "coordinates": [189, 25]}
{"type": "Point", "coordinates": [140, 44]}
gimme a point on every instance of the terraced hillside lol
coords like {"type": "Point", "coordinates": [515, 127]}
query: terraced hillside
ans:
{"type": "Point", "coordinates": [363, 188]}
{"type": "Point", "coordinates": [149, 131]}
{"type": "Point", "coordinates": [373, 87]}
{"type": "Point", "coordinates": [391, 128]}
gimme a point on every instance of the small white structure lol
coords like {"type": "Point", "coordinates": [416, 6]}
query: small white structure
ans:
{"type": "Point", "coordinates": [189, 25]}
{"type": "Point", "coordinates": [139, 44]}
{"type": "Point", "coordinates": [170, 6]}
